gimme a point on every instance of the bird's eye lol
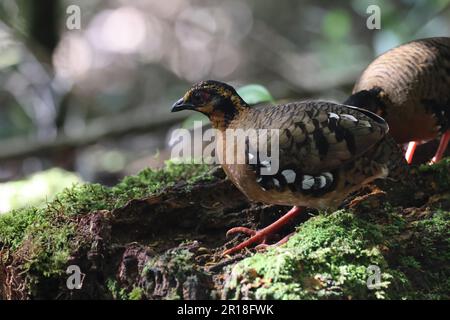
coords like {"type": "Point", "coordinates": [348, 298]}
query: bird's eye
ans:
{"type": "Point", "coordinates": [200, 96]}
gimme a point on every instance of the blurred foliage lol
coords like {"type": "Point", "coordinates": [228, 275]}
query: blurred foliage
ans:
{"type": "Point", "coordinates": [193, 118]}
{"type": "Point", "coordinates": [138, 58]}
{"type": "Point", "coordinates": [336, 25]}
{"type": "Point", "coordinates": [255, 93]}
{"type": "Point", "coordinates": [35, 190]}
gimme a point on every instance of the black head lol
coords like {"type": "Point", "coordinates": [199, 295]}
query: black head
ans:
{"type": "Point", "coordinates": [212, 98]}
{"type": "Point", "coordinates": [372, 100]}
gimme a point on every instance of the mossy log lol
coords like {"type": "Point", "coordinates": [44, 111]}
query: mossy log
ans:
{"type": "Point", "coordinates": [160, 235]}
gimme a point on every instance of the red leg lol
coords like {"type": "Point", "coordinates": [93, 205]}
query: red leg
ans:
{"type": "Point", "coordinates": [410, 151]}
{"type": "Point", "coordinates": [264, 246]}
{"type": "Point", "coordinates": [442, 147]}
{"type": "Point", "coordinates": [260, 236]}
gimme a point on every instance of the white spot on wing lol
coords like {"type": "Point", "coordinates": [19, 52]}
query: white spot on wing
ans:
{"type": "Point", "coordinates": [349, 117]}
{"type": "Point", "coordinates": [276, 182]}
{"type": "Point", "coordinates": [328, 175]}
{"type": "Point", "coordinates": [321, 181]}
{"type": "Point", "coordinates": [289, 175]}
{"type": "Point", "coordinates": [308, 182]}
{"type": "Point", "coordinates": [333, 115]}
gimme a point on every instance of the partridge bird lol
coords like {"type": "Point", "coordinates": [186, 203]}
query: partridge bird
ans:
{"type": "Point", "coordinates": [409, 86]}
{"type": "Point", "coordinates": [326, 150]}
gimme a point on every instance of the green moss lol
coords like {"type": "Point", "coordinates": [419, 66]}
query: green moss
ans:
{"type": "Point", "coordinates": [136, 294]}
{"type": "Point", "coordinates": [85, 198]}
{"type": "Point", "coordinates": [330, 256]}
{"type": "Point", "coordinates": [150, 181]}
{"type": "Point", "coordinates": [91, 197]}
{"type": "Point", "coordinates": [43, 237]}
{"type": "Point", "coordinates": [440, 172]}
{"type": "Point", "coordinates": [116, 292]}
{"type": "Point", "coordinates": [180, 270]}
{"type": "Point", "coordinates": [178, 263]}
{"type": "Point", "coordinates": [425, 258]}
{"type": "Point", "coordinates": [13, 225]}
{"type": "Point", "coordinates": [48, 248]}
{"type": "Point", "coordinates": [121, 294]}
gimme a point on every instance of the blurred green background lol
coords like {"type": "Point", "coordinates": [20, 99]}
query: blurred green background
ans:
{"type": "Point", "coordinates": [95, 101]}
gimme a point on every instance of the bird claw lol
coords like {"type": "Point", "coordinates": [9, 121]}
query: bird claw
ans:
{"type": "Point", "coordinates": [262, 247]}
{"type": "Point", "coordinates": [265, 246]}
{"type": "Point", "coordinates": [245, 230]}
{"type": "Point", "coordinates": [256, 236]}
{"type": "Point", "coordinates": [261, 236]}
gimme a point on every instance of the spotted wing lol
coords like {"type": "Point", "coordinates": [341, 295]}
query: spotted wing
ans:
{"type": "Point", "coordinates": [315, 138]}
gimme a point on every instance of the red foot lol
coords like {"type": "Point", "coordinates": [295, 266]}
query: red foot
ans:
{"type": "Point", "coordinates": [264, 246]}
{"type": "Point", "coordinates": [442, 147]}
{"type": "Point", "coordinates": [260, 236]}
{"type": "Point", "coordinates": [410, 151]}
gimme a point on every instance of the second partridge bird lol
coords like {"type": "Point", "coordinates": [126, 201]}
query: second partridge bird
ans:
{"type": "Point", "coordinates": [409, 86]}
{"type": "Point", "coordinates": [326, 150]}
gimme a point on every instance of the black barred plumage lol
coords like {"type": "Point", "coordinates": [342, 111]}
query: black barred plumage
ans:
{"type": "Point", "coordinates": [317, 138]}
{"type": "Point", "coordinates": [409, 86]}
{"type": "Point", "coordinates": [326, 150]}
